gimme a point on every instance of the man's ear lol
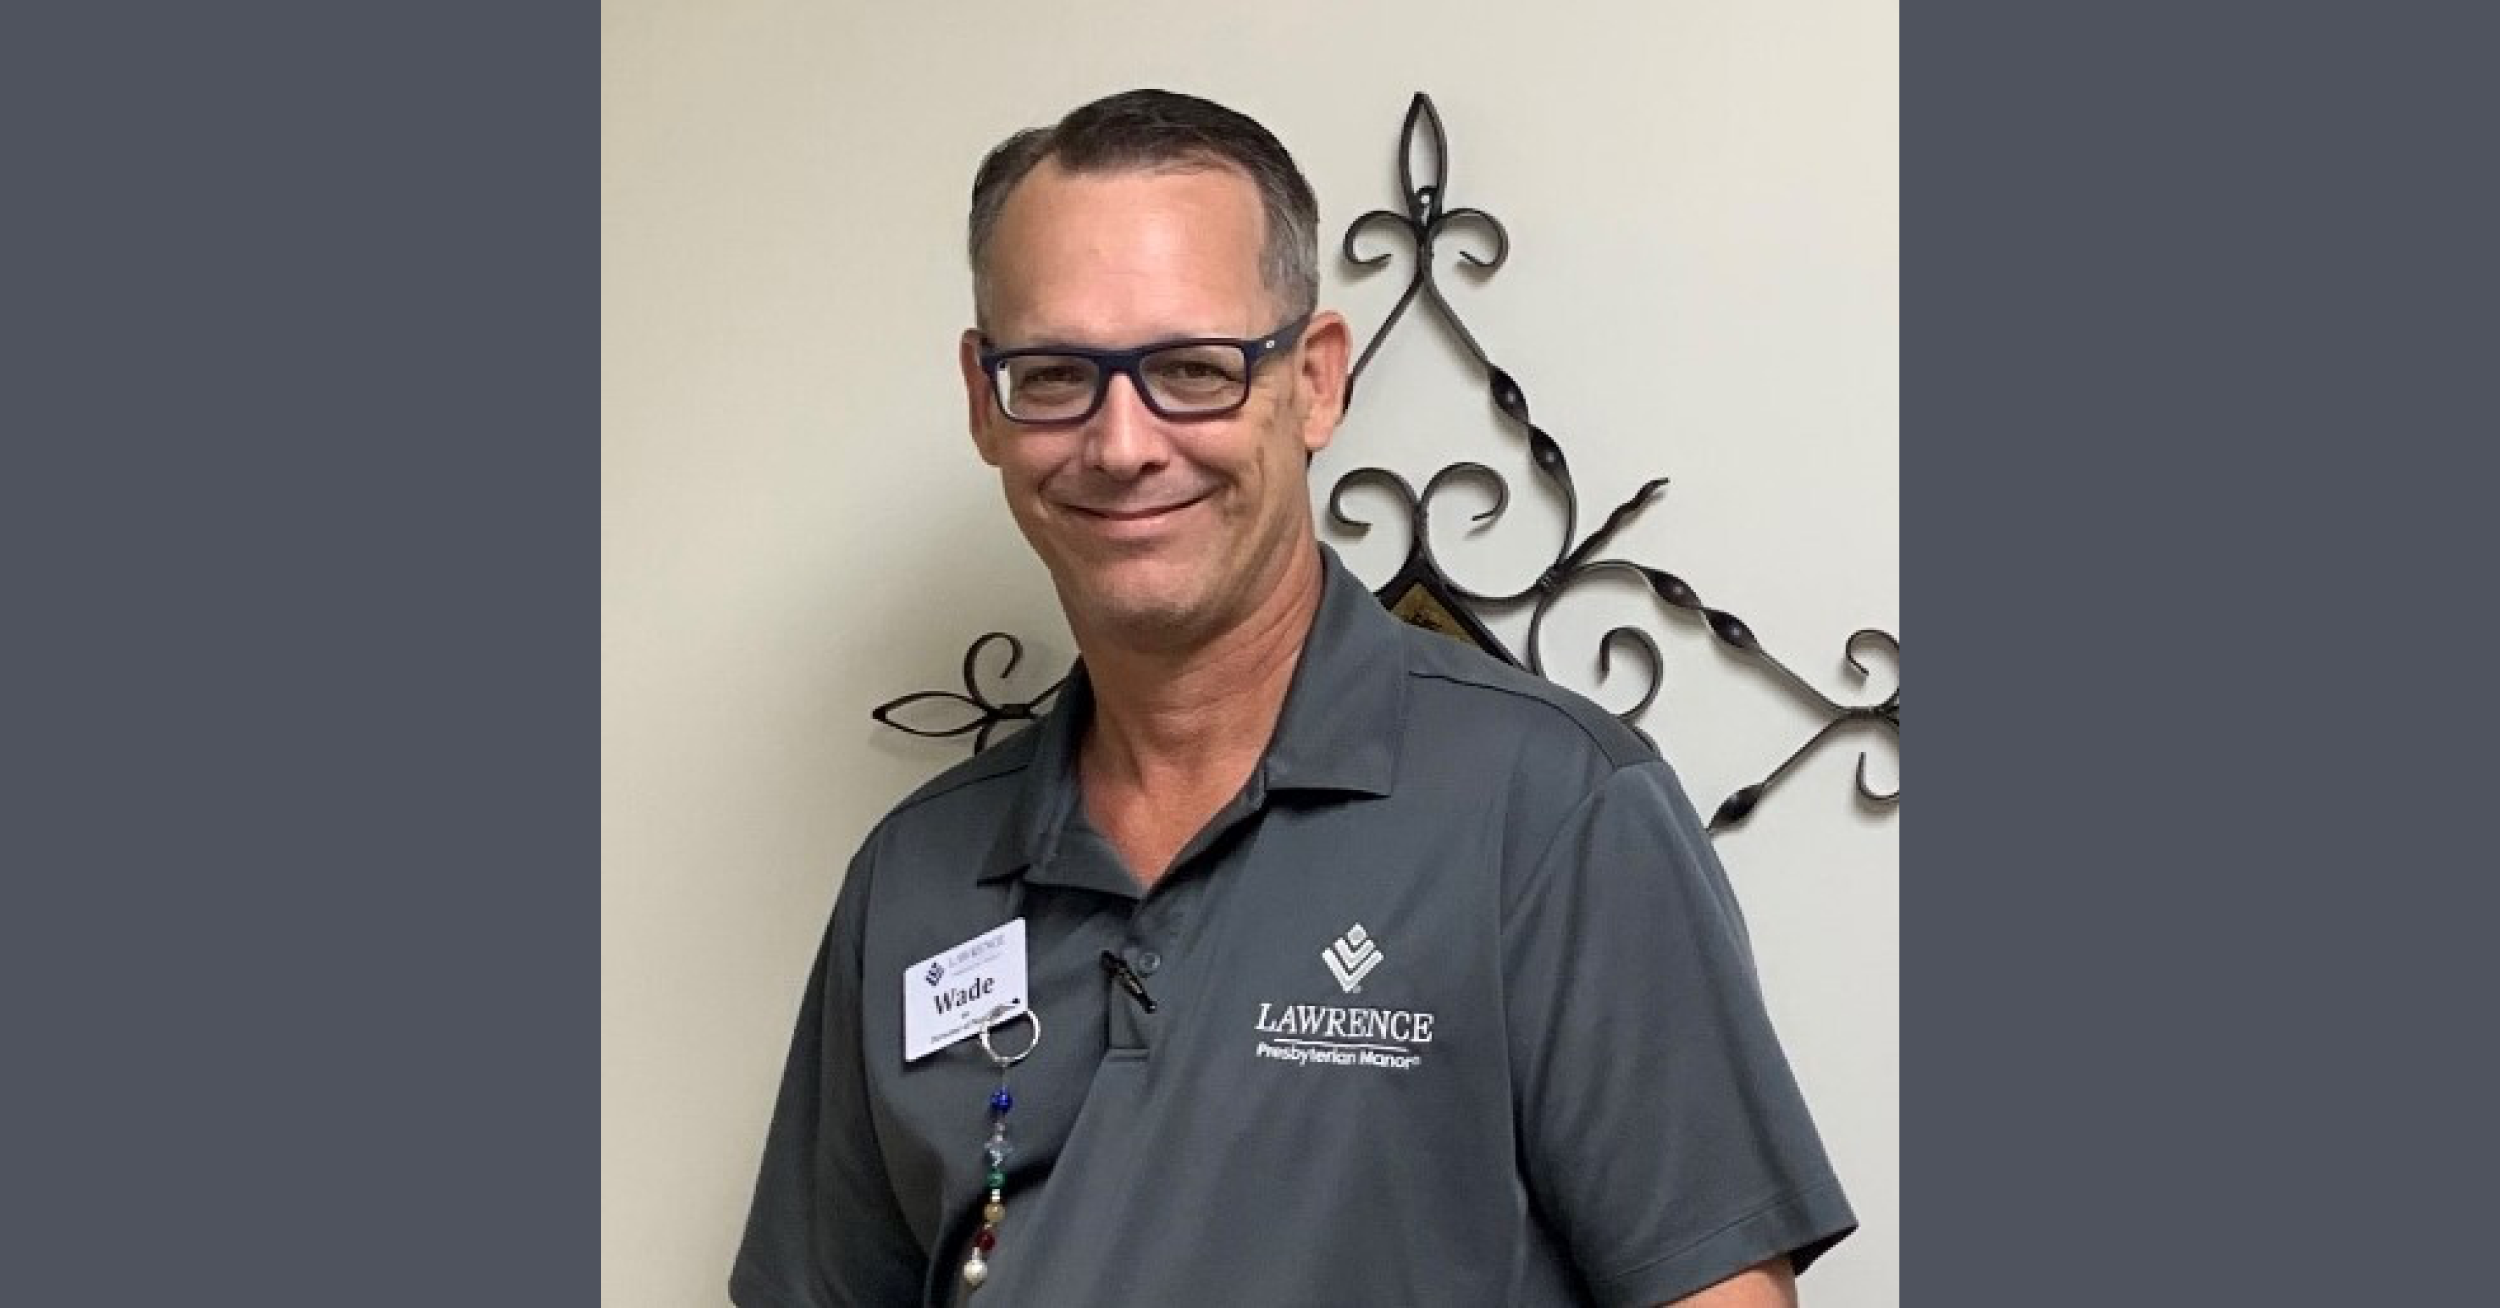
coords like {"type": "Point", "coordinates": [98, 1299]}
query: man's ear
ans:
{"type": "Point", "coordinates": [1326, 345]}
{"type": "Point", "coordinates": [978, 407]}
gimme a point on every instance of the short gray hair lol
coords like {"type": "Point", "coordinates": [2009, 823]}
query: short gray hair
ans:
{"type": "Point", "coordinates": [1150, 130]}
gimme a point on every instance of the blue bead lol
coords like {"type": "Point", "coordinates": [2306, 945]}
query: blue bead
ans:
{"type": "Point", "coordinates": [1000, 1101]}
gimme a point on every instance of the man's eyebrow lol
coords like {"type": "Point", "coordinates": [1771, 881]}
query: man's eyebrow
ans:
{"type": "Point", "coordinates": [1059, 341]}
{"type": "Point", "coordinates": [1054, 340]}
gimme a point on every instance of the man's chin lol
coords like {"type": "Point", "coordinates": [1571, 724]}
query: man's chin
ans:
{"type": "Point", "coordinates": [1142, 614]}
{"type": "Point", "coordinates": [1151, 621]}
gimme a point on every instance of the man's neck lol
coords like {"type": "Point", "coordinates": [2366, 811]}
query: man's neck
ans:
{"type": "Point", "coordinates": [1184, 722]}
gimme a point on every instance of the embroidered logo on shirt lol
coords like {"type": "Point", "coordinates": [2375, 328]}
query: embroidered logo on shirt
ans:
{"type": "Point", "coordinates": [1319, 1036]}
{"type": "Point", "coordinates": [1351, 958]}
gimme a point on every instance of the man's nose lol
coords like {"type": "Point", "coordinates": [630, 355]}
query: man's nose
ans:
{"type": "Point", "coordinates": [1125, 439]}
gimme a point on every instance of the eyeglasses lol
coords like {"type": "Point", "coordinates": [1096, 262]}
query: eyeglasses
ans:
{"type": "Point", "coordinates": [1195, 377]}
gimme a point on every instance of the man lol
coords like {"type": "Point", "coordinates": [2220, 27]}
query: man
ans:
{"type": "Point", "coordinates": [1360, 967]}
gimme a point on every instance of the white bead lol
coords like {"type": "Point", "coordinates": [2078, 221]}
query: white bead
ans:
{"type": "Point", "coordinates": [976, 1271]}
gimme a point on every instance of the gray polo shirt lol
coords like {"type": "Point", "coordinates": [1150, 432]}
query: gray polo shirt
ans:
{"type": "Point", "coordinates": [1454, 1005]}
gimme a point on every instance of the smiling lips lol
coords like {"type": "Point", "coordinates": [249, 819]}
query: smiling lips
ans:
{"type": "Point", "coordinates": [1128, 522]}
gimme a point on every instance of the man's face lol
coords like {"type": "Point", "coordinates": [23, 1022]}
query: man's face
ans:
{"type": "Point", "coordinates": [1163, 533]}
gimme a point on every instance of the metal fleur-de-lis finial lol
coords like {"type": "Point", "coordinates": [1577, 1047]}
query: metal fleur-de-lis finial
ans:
{"type": "Point", "coordinates": [1426, 218]}
{"type": "Point", "coordinates": [1885, 713]}
{"type": "Point", "coordinates": [987, 715]}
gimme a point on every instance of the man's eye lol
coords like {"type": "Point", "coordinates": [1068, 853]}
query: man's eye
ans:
{"type": "Point", "coordinates": [1194, 371]}
{"type": "Point", "coordinates": [1043, 377]}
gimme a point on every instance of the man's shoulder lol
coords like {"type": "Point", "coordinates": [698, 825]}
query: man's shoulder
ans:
{"type": "Point", "coordinates": [1464, 689]}
{"type": "Point", "coordinates": [986, 779]}
{"type": "Point", "coordinates": [950, 821]}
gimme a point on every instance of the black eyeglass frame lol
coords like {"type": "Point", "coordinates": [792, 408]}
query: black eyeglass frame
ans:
{"type": "Point", "coordinates": [1111, 363]}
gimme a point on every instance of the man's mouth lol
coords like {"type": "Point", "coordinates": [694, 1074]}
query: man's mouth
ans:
{"type": "Point", "coordinates": [1136, 513]}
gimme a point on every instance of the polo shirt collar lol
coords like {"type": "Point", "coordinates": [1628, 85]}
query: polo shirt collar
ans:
{"type": "Point", "coordinates": [1347, 702]}
{"type": "Point", "coordinates": [1338, 730]}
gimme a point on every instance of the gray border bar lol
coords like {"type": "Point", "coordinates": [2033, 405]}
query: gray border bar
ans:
{"type": "Point", "coordinates": [299, 504]}
{"type": "Point", "coordinates": [2198, 361]}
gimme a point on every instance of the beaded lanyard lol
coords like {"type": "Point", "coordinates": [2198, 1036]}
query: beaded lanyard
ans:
{"type": "Point", "coordinates": [977, 1268]}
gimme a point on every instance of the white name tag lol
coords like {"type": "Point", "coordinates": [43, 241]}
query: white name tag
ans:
{"type": "Point", "coordinates": [947, 996]}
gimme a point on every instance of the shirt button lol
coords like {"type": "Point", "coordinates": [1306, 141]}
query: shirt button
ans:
{"type": "Point", "coordinates": [1147, 962]}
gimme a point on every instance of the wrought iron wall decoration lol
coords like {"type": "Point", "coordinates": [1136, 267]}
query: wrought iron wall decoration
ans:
{"type": "Point", "coordinates": [1423, 594]}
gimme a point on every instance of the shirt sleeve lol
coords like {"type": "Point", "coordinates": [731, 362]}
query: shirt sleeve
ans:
{"type": "Point", "coordinates": [1663, 1133]}
{"type": "Point", "coordinates": [824, 1228]}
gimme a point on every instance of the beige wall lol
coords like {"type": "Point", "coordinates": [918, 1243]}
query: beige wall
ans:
{"type": "Point", "coordinates": [1704, 285]}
